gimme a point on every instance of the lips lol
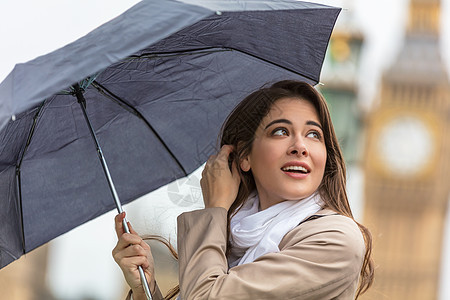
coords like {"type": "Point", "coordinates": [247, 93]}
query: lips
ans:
{"type": "Point", "coordinates": [296, 167]}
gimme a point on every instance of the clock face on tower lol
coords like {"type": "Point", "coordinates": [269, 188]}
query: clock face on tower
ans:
{"type": "Point", "coordinates": [405, 145]}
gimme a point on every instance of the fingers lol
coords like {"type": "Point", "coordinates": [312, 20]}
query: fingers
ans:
{"type": "Point", "coordinates": [220, 160]}
{"type": "Point", "coordinates": [128, 239]}
{"type": "Point", "coordinates": [131, 251]}
{"type": "Point", "coordinates": [130, 258]}
{"type": "Point", "coordinates": [118, 221]}
{"type": "Point", "coordinates": [224, 152]}
{"type": "Point", "coordinates": [219, 182]}
{"type": "Point", "coordinates": [131, 229]}
{"type": "Point", "coordinates": [132, 262]}
{"type": "Point", "coordinates": [131, 246]}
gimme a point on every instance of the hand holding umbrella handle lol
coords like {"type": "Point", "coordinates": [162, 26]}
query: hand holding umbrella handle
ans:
{"type": "Point", "coordinates": [145, 283]}
{"type": "Point", "coordinates": [141, 271]}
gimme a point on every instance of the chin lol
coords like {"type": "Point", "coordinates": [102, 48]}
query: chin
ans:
{"type": "Point", "coordinates": [297, 196]}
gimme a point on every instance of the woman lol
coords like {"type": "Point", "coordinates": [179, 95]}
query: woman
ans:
{"type": "Point", "coordinates": [276, 223]}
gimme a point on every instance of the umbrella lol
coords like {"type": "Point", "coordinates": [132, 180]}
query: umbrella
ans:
{"type": "Point", "coordinates": [154, 84]}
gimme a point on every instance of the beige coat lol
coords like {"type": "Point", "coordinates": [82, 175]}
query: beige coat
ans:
{"type": "Point", "coordinates": [319, 259]}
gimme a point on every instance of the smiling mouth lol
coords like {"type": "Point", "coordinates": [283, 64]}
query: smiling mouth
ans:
{"type": "Point", "coordinates": [295, 169]}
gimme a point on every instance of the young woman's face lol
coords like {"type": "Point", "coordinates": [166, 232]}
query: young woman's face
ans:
{"type": "Point", "coordinates": [288, 153]}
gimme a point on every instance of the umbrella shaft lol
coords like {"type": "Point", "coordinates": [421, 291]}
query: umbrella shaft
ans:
{"type": "Point", "coordinates": [114, 193]}
{"type": "Point", "coordinates": [82, 101]}
{"type": "Point", "coordinates": [102, 160]}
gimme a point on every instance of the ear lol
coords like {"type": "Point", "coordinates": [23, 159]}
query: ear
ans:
{"type": "Point", "coordinates": [245, 164]}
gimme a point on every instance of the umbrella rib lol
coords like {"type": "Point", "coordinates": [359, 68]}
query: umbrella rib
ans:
{"type": "Point", "coordinates": [122, 103]}
{"type": "Point", "coordinates": [278, 65]}
{"type": "Point", "coordinates": [19, 195]}
{"type": "Point", "coordinates": [31, 133]}
{"type": "Point", "coordinates": [19, 164]}
{"type": "Point", "coordinates": [116, 99]}
{"type": "Point", "coordinates": [179, 52]}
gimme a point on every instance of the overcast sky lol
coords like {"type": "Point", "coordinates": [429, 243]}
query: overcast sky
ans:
{"type": "Point", "coordinates": [29, 28]}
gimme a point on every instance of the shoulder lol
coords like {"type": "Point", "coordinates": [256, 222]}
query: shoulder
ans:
{"type": "Point", "coordinates": [327, 228]}
{"type": "Point", "coordinates": [203, 217]}
{"type": "Point", "coordinates": [329, 248]}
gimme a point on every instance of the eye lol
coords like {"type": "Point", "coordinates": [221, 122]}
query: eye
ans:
{"type": "Point", "coordinates": [280, 132]}
{"type": "Point", "coordinates": [314, 134]}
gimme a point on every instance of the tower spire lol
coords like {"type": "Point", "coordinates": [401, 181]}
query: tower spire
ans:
{"type": "Point", "coordinates": [424, 17]}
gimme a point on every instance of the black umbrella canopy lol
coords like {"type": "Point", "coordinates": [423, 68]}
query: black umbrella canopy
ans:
{"type": "Point", "coordinates": [158, 81]}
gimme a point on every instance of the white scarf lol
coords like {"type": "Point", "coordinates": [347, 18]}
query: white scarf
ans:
{"type": "Point", "coordinates": [254, 233]}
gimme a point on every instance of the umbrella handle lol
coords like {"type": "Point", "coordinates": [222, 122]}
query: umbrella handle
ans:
{"type": "Point", "coordinates": [141, 271]}
{"type": "Point", "coordinates": [145, 283]}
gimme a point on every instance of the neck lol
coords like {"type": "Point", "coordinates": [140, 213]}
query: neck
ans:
{"type": "Point", "coordinates": [265, 201]}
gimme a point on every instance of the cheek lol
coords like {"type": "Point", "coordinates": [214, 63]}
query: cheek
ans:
{"type": "Point", "coordinates": [264, 155]}
{"type": "Point", "coordinates": [320, 158]}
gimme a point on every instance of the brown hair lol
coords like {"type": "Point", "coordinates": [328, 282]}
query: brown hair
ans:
{"type": "Point", "coordinates": [239, 130]}
{"type": "Point", "coordinates": [173, 292]}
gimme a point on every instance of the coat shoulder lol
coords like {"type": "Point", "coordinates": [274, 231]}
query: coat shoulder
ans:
{"type": "Point", "coordinates": [327, 227]}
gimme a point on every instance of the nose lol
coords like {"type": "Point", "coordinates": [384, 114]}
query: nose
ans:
{"type": "Point", "coordinates": [298, 147]}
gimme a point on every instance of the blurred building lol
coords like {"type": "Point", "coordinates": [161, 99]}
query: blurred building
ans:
{"type": "Point", "coordinates": [407, 163]}
{"type": "Point", "coordinates": [25, 278]}
{"type": "Point", "coordinates": [340, 87]}
{"type": "Point", "coordinates": [340, 84]}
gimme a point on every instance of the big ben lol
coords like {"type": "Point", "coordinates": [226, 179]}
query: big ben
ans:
{"type": "Point", "coordinates": [407, 163]}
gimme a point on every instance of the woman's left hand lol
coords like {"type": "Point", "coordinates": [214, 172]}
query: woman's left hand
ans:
{"type": "Point", "coordinates": [130, 252]}
{"type": "Point", "coordinates": [220, 185]}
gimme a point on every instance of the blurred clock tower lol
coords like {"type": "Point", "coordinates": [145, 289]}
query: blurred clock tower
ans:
{"type": "Point", "coordinates": [407, 163]}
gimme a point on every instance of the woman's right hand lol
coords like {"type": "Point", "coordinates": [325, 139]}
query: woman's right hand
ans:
{"type": "Point", "coordinates": [130, 252]}
{"type": "Point", "coordinates": [219, 184]}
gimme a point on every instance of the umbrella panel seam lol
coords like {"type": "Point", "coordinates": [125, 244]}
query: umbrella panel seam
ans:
{"type": "Point", "coordinates": [125, 105]}
{"type": "Point", "coordinates": [203, 50]}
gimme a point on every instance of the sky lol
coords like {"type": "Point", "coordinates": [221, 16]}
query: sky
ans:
{"type": "Point", "coordinates": [30, 28]}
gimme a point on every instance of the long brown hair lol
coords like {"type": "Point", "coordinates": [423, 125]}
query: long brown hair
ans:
{"type": "Point", "coordinates": [239, 130]}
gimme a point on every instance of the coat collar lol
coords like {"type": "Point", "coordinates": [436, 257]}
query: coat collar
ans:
{"type": "Point", "coordinates": [321, 213]}
{"type": "Point", "coordinates": [326, 212]}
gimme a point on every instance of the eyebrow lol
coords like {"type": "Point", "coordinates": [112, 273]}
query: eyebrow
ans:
{"type": "Point", "coordinates": [309, 122]}
{"type": "Point", "coordinates": [314, 123]}
{"type": "Point", "coordinates": [278, 121]}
